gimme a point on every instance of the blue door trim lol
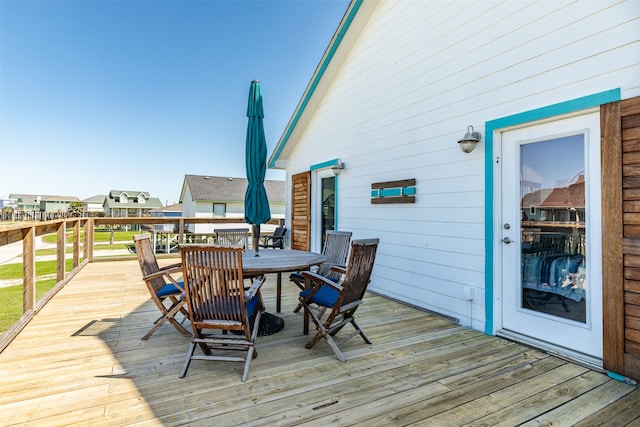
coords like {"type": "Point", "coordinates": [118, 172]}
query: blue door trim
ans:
{"type": "Point", "coordinates": [490, 127]}
{"type": "Point", "coordinates": [325, 165]}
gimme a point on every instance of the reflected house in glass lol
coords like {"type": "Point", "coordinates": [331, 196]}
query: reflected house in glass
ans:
{"type": "Point", "coordinates": [557, 205]}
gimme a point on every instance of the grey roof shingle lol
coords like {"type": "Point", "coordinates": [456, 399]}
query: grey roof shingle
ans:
{"type": "Point", "coordinates": [218, 188]}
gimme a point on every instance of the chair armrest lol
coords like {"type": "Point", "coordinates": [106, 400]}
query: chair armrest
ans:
{"type": "Point", "coordinates": [339, 269]}
{"type": "Point", "coordinates": [172, 268]}
{"type": "Point", "coordinates": [267, 239]}
{"type": "Point", "coordinates": [167, 275]}
{"type": "Point", "coordinates": [321, 280]}
{"type": "Point", "coordinates": [255, 287]}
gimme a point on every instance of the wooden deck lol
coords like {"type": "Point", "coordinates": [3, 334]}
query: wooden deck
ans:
{"type": "Point", "coordinates": [81, 362]}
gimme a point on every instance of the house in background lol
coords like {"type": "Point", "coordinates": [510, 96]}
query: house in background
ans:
{"type": "Point", "coordinates": [173, 211]}
{"type": "Point", "coordinates": [42, 203]}
{"type": "Point", "coordinates": [165, 237]}
{"type": "Point", "coordinates": [123, 204]}
{"type": "Point", "coordinates": [7, 202]}
{"type": "Point", "coordinates": [223, 197]}
{"type": "Point", "coordinates": [94, 206]}
{"type": "Point", "coordinates": [544, 91]}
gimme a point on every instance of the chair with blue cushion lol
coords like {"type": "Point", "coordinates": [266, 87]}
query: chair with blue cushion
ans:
{"type": "Point", "coordinates": [162, 286]}
{"type": "Point", "coordinates": [218, 303]}
{"type": "Point", "coordinates": [336, 249]}
{"type": "Point", "coordinates": [332, 305]}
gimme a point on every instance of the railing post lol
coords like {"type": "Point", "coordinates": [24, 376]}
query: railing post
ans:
{"type": "Point", "coordinates": [29, 271]}
{"type": "Point", "coordinates": [181, 230]}
{"type": "Point", "coordinates": [60, 251]}
{"type": "Point", "coordinates": [88, 239]}
{"type": "Point", "coordinates": [76, 243]}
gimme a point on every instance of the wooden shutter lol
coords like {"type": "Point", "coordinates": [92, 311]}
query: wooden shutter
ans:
{"type": "Point", "coordinates": [620, 131]}
{"type": "Point", "coordinates": [301, 211]}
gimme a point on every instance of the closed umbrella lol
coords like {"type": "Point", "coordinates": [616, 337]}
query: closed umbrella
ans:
{"type": "Point", "coordinates": [256, 204]}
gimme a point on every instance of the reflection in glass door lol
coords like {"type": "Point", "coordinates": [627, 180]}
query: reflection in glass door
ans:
{"type": "Point", "coordinates": [553, 241]}
{"type": "Point", "coordinates": [328, 214]}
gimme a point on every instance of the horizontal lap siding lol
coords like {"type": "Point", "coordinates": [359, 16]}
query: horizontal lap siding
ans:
{"type": "Point", "coordinates": [630, 130]}
{"type": "Point", "coordinates": [417, 76]}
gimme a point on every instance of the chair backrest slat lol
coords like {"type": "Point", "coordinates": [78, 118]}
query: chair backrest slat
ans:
{"type": "Point", "coordinates": [147, 259]}
{"type": "Point", "coordinates": [359, 269]}
{"type": "Point", "coordinates": [213, 282]}
{"type": "Point", "coordinates": [336, 249]}
{"type": "Point", "coordinates": [232, 236]}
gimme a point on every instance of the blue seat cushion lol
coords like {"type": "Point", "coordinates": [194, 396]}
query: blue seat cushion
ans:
{"type": "Point", "coordinates": [326, 296]}
{"type": "Point", "coordinates": [169, 289]}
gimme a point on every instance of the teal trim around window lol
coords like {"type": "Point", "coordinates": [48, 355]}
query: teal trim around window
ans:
{"type": "Point", "coordinates": [336, 212]}
{"type": "Point", "coordinates": [314, 84]}
{"type": "Point", "coordinates": [490, 127]}
{"type": "Point", "coordinates": [326, 165]}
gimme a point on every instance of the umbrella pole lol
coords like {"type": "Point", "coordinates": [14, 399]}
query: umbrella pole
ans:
{"type": "Point", "coordinates": [256, 238]}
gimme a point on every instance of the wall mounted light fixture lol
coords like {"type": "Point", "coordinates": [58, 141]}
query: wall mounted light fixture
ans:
{"type": "Point", "coordinates": [470, 139]}
{"type": "Point", "coordinates": [337, 168]}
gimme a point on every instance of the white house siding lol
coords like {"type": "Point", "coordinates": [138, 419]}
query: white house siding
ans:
{"type": "Point", "coordinates": [418, 75]}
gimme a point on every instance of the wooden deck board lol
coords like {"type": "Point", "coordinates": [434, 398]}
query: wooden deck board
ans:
{"type": "Point", "coordinates": [81, 361]}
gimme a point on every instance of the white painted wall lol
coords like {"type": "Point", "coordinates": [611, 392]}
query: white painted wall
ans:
{"type": "Point", "coordinates": [419, 74]}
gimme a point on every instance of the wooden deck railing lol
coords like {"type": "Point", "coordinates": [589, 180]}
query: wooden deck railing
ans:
{"type": "Point", "coordinates": [27, 234]}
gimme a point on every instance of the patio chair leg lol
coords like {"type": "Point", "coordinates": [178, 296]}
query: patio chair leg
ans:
{"type": "Point", "coordinates": [170, 317]}
{"type": "Point", "coordinates": [187, 361]}
{"type": "Point", "coordinates": [313, 341]}
{"type": "Point", "coordinates": [360, 331]}
{"type": "Point", "coordinates": [247, 363]}
{"type": "Point", "coordinates": [335, 348]}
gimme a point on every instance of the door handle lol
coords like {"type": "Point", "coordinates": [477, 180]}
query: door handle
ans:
{"type": "Point", "coordinates": [507, 240]}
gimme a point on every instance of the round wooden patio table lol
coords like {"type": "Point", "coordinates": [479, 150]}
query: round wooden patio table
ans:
{"type": "Point", "coordinates": [278, 261]}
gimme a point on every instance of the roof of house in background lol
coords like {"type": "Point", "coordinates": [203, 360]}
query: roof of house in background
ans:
{"type": "Point", "coordinates": [172, 208]}
{"type": "Point", "coordinates": [225, 189]}
{"type": "Point", "coordinates": [95, 199]}
{"type": "Point", "coordinates": [129, 193]}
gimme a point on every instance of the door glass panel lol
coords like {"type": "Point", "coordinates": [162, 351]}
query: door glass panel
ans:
{"type": "Point", "coordinates": [328, 204]}
{"type": "Point", "coordinates": [552, 195]}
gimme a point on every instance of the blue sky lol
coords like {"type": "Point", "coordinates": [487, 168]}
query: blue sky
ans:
{"type": "Point", "coordinates": [100, 95]}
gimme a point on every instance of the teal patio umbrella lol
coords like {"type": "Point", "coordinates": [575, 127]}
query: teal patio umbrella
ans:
{"type": "Point", "coordinates": [256, 203]}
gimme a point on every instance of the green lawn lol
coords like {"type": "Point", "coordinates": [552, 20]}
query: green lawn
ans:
{"type": "Point", "coordinates": [98, 236]}
{"type": "Point", "coordinates": [14, 271]}
{"type": "Point", "coordinates": [43, 252]}
{"type": "Point", "coordinates": [11, 298]}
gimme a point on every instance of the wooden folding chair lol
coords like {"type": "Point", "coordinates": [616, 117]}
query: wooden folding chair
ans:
{"type": "Point", "coordinates": [162, 286]}
{"type": "Point", "coordinates": [232, 237]}
{"type": "Point", "coordinates": [340, 300]}
{"type": "Point", "coordinates": [217, 302]}
{"type": "Point", "coordinates": [336, 249]}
